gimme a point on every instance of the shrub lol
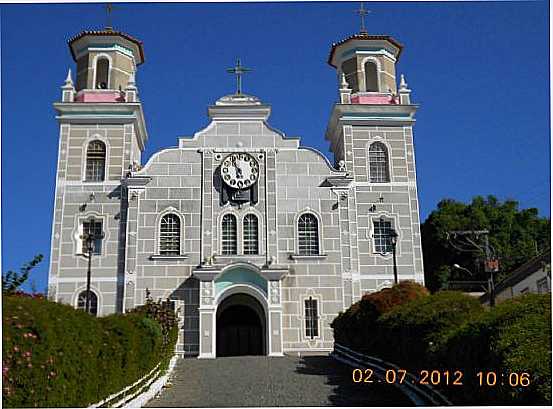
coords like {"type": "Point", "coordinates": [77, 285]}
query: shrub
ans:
{"type": "Point", "coordinates": [54, 355]}
{"type": "Point", "coordinates": [355, 326]}
{"type": "Point", "coordinates": [406, 333]}
{"type": "Point", "coordinates": [515, 336]}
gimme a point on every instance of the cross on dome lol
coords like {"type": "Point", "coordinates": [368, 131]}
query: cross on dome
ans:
{"type": "Point", "coordinates": [109, 10]}
{"type": "Point", "coordinates": [362, 14]}
{"type": "Point", "coordinates": [238, 70]}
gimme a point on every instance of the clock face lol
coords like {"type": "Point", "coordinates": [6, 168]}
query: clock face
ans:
{"type": "Point", "coordinates": [240, 170]}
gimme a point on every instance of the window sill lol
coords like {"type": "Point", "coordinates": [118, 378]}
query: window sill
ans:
{"type": "Point", "coordinates": [85, 255]}
{"type": "Point", "coordinates": [307, 257]}
{"type": "Point", "coordinates": [168, 257]}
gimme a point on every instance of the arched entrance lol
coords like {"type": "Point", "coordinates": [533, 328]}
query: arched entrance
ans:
{"type": "Point", "coordinates": [241, 326]}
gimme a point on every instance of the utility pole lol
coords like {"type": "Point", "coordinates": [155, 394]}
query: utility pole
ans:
{"type": "Point", "coordinates": [468, 241]}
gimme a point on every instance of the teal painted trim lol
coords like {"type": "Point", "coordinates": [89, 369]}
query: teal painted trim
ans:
{"type": "Point", "coordinates": [351, 52]}
{"type": "Point", "coordinates": [98, 113]}
{"type": "Point", "coordinates": [240, 275]}
{"type": "Point", "coordinates": [114, 45]}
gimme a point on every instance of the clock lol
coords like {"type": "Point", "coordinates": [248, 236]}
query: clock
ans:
{"type": "Point", "coordinates": [240, 170]}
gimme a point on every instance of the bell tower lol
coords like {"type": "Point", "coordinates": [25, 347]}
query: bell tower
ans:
{"type": "Point", "coordinates": [371, 136]}
{"type": "Point", "coordinates": [102, 137]}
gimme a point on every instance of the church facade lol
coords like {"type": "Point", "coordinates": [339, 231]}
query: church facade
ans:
{"type": "Point", "coordinates": [258, 241]}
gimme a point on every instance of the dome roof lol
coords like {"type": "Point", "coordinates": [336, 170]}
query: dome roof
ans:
{"type": "Point", "coordinates": [238, 99]}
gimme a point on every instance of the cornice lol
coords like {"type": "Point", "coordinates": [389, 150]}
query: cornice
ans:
{"type": "Point", "coordinates": [104, 112]}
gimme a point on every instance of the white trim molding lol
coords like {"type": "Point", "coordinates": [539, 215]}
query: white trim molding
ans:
{"type": "Point", "coordinates": [182, 230]}
{"type": "Point", "coordinates": [317, 215]}
{"type": "Point", "coordinates": [93, 289]}
{"type": "Point", "coordinates": [78, 232]}
{"type": "Point", "coordinates": [88, 140]}
{"type": "Point", "coordinates": [394, 218]}
{"type": "Point", "coordinates": [95, 68]}
{"type": "Point", "coordinates": [370, 142]}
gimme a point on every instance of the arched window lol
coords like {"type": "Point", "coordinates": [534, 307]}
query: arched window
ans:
{"type": "Point", "coordinates": [308, 235]}
{"type": "Point", "coordinates": [378, 163]}
{"type": "Point", "coordinates": [251, 235]}
{"type": "Point", "coordinates": [371, 77]}
{"type": "Point", "coordinates": [349, 68]}
{"type": "Point", "coordinates": [102, 73]}
{"type": "Point", "coordinates": [229, 236]}
{"type": "Point", "coordinates": [95, 161]}
{"type": "Point", "coordinates": [169, 235]}
{"type": "Point", "coordinates": [81, 302]}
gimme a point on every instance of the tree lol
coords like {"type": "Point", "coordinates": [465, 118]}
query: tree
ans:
{"type": "Point", "coordinates": [11, 281]}
{"type": "Point", "coordinates": [516, 234]}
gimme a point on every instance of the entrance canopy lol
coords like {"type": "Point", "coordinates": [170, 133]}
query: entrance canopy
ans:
{"type": "Point", "coordinates": [240, 275]}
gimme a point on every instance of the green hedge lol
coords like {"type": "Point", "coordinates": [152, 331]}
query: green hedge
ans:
{"type": "Point", "coordinates": [355, 326]}
{"type": "Point", "coordinates": [515, 336]}
{"type": "Point", "coordinates": [54, 355]}
{"type": "Point", "coordinates": [406, 334]}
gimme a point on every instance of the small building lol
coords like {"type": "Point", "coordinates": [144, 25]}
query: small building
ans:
{"type": "Point", "coordinates": [533, 276]}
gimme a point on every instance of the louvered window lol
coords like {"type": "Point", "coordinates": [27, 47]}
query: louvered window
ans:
{"type": "Point", "coordinates": [92, 227]}
{"type": "Point", "coordinates": [311, 318]}
{"type": "Point", "coordinates": [378, 163]}
{"type": "Point", "coordinates": [95, 161]}
{"type": "Point", "coordinates": [81, 302]}
{"type": "Point", "coordinates": [229, 236]}
{"type": "Point", "coordinates": [169, 235]}
{"type": "Point", "coordinates": [251, 239]}
{"type": "Point", "coordinates": [382, 236]}
{"type": "Point", "coordinates": [308, 235]}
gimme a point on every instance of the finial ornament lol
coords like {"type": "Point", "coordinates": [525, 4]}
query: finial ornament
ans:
{"type": "Point", "coordinates": [344, 84]}
{"type": "Point", "coordinates": [402, 83]}
{"type": "Point", "coordinates": [238, 70]}
{"type": "Point", "coordinates": [362, 14]}
{"type": "Point", "coordinates": [68, 80]}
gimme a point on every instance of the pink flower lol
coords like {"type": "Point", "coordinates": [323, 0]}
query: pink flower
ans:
{"type": "Point", "coordinates": [52, 374]}
{"type": "Point", "coordinates": [27, 353]}
{"type": "Point", "coordinates": [16, 349]}
{"type": "Point", "coordinates": [29, 365]}
{"type": "Point", "coordinates": [5, 370]}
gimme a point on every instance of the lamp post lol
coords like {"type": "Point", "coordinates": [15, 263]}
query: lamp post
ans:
{"type": "Point", "coordinates": [89, 239]}
{"type": "Point", "coordinates": [393, 241]}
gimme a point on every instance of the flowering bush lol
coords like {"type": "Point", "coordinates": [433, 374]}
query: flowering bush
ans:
{"type": "Point", "coordinates": [54, 355]}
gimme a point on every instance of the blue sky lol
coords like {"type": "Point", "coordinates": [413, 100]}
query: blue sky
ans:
{"type": "Point", "coordinates": [480, 71]}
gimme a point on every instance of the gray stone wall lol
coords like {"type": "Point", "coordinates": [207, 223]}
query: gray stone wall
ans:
{"type": "Point", "coordinates": [76, 200]}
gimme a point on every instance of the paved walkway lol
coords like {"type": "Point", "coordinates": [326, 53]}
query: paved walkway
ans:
{"type": "Point", "coordinates": [264, 381]}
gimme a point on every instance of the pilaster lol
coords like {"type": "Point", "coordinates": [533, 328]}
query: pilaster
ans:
{"type": "Point", "coordinates": [271, 206]}
{"type": "Point", "coordinates": [207, 320]}
{"type": "Point", "coordinates": [274, 326]}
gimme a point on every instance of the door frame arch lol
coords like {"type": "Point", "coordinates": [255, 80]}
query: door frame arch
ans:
{"type": "Point", "coordinates": [258, 295]}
